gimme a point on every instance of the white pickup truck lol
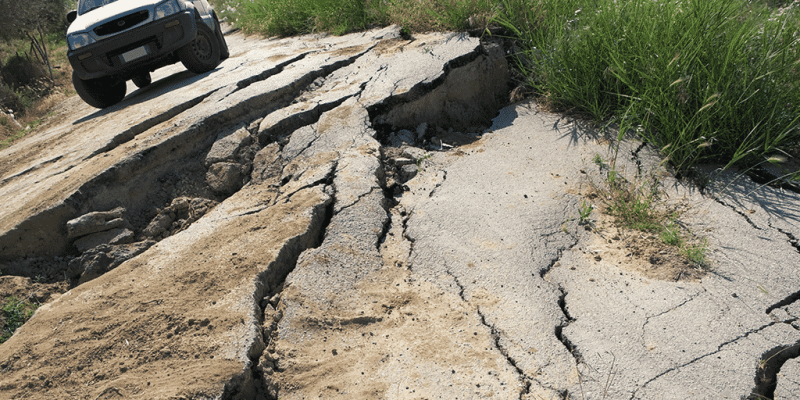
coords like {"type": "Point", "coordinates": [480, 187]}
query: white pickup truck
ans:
{"type": "Point", "coordinates": [111, 42]}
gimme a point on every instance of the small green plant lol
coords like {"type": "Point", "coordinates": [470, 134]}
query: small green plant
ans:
{"type": "Point", "coordinates": [13, 314]}
{"type": "Point", "coordinates": [697, 253]}
{"type": "Point", "coordinates": [635, 205]}
{"type": "Point", "coordinates": [421, 159]}
{"type": "Point", "coordinates": [584, 211]}
{"type": "Point", "coordinates": [597, 160]}
{"type": "Point", "coordinates": [671, 235]}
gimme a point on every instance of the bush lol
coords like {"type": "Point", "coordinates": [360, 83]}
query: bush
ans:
{"type": "Point", "coordinates": [21, 81]}
{"type": "Point", "coordinates": [13, 100]}
{"type": "Point", "coordinates": [19, 71]}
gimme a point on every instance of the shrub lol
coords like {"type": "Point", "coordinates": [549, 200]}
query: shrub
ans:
{"type": "Point", "coordinates": [20, 71]}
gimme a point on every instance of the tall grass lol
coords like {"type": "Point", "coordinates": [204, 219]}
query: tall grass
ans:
{"type": "Point", "coordinates": [705, 80]}
{"type": "Point", "coordinates": [291, 17]}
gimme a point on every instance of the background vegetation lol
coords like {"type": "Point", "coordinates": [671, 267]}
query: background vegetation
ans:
{"type": "Point", "coordinates": [290, 17]}
{"type": "Point", "coordinates": [33, 63]}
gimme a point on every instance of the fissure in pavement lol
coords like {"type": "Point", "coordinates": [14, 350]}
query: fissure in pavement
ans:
{"type": "Point", "coordinates": [766, 380]}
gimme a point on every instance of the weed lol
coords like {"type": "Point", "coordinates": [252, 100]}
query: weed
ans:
{"type": "Point", "coordinates": [671, 235]}
{"type": "Point", "coordinates": [632, 204]}
{"type": "Point", "coordinates": [597, 160]}
{"type": "Point", "coordinates": [8, 141]}
{"type": "Point", "coordinates": [635, 205]}
{"type": "Point", "coordinates": [13, 314]}
{"type": "Point", "coordinates": [584, 212]}
{"type": "Point", "coordinates": [420, 160]}
{"type": "Point", "coordinates": [290, 17]}
{"type": "Point", "coordinates": [714, 80]}
{"type": "Point", "coordinates": [697, 253]}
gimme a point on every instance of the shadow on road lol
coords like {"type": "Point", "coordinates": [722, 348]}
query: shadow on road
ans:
{"type": "Point", "coordinates": [155, 89]}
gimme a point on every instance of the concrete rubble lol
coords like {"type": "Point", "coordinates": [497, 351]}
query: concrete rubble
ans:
{"type": "Point", "coordinates": [365, 217]}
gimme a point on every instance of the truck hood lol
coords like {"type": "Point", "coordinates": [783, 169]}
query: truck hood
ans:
{"type": "Point", "coordinates": [110, 12]}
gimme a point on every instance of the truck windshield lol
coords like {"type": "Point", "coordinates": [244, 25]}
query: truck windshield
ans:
{"type": "Point", "coordinates": [84, 6]}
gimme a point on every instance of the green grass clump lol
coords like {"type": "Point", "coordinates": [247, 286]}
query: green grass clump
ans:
{"type": "Point", "coordinates": [633, 204]}
{"type": "Point", "coordinates": [671, 235]}
{"type": "Point", "coordinates": [13, 314]}
{"type": "Point", "coordinates": [705, 80]}
{"type": "Point", "coordinates": [696, 253]}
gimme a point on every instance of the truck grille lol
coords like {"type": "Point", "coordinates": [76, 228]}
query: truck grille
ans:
{"type": "Point", "coordinates": [121, 24]}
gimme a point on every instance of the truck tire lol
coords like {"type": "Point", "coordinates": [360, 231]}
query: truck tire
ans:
{"type": "Point", "coordinates": [224, 53]}
{"type": "Point", "coordinates": [142, 80]}
{"type": "Point", "coordinates": [202, 54]}
{"type": "Point", "coordinates": [99, 93]}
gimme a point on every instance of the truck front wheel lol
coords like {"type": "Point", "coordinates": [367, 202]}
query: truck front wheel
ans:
{"type": "Point", "coordinates": [202, 54]}
{"type": "Point", "coordinates": [99, 93]}
{"type": "Point", "coordinates": [224, 53]}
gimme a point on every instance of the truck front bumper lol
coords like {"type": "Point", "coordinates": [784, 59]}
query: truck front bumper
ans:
{"type": "Point", "coordinates": [127, 53]}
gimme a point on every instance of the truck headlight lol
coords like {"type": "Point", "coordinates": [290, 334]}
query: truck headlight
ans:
{"type": "Point", "coordinates": [78, 40]}
{"type": "Point", "coordinates": [166, 9]}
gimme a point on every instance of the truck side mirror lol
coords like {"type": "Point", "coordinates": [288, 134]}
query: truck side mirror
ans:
{"type": "Point", "coordinates": [71, 16]}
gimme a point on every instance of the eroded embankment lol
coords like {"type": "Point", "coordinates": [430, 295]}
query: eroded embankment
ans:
{"type": "Point", "coordinates": [217, 204]}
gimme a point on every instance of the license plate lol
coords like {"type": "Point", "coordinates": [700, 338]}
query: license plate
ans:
{"type": "Point", "coordinates": [134, 54]}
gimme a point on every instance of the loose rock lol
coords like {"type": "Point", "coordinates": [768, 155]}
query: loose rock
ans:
{"type": "Point", "coordinates": [104, 258]}
{"type": "Point", "coordinates": [95, 222]}
{"type": "Point", "coordinates": [402, 137]}
{"type": "Point", "coordinates": [224, 177]}
{"type": "Point", "coordinates": [113, 236]}
{"type": "Point", "coordinates": [227, 145]}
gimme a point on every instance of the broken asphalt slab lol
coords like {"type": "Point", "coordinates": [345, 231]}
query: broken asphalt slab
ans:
{"type": "Point", "coordinates": [327, 270]}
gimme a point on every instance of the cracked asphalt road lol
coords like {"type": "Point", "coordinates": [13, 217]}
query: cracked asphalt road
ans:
{"type": "Point", "coordinates": [344, 265]}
